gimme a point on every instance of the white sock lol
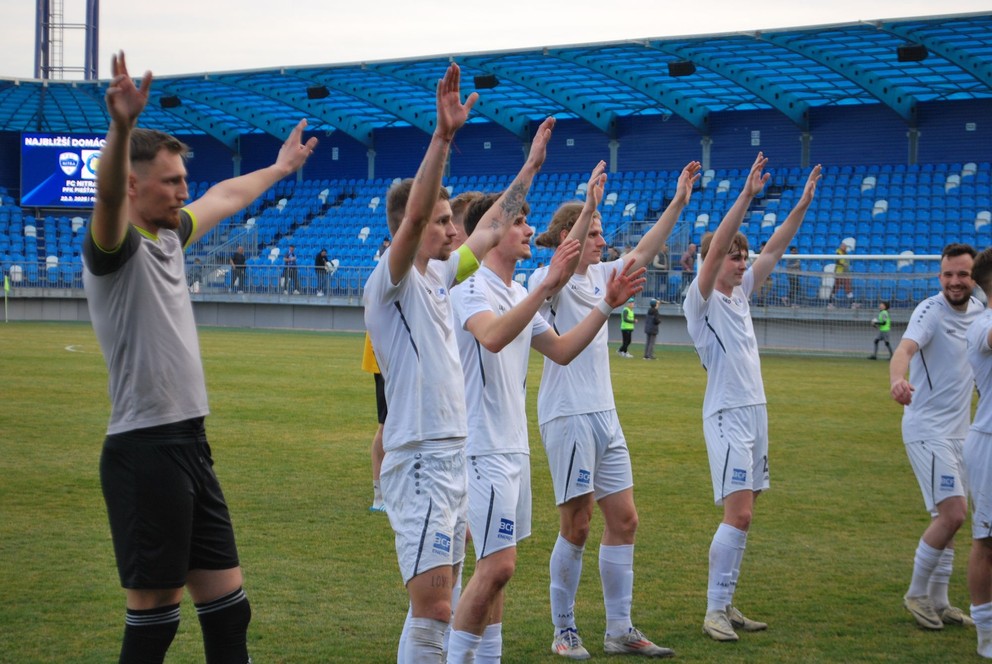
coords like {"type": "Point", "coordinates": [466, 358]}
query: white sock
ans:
{"type": "Point", "coordinates": [924, 563]}
{"type": "Point", "coordinates": [737, 564]}
{"type": "Point", "coordinates": [401, 648]}
{"type": "Point", "coordinates": [940, 579]}
{"type": "Point", "coordinates": [616, 571]}
{"type": "Point", "coordinates": [462, 646]}
{"type": "Point", "coordinates": [566, 570]}
{"type": "Point", "coordinates": [376, 493]}
{"type": "Point", "coordinates": [456, 594]}
{"type": "Point", "coordinates": [982, 615]}
{"type": "Point", "coordinates": [423, 643]}
{"type": "Point", "coordinates": [727, 541]}
{"type": "Point", "coordinates": [491, 649]}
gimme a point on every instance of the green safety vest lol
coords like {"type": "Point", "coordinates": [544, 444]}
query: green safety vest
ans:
{"type": "Point", "coordinates": [884, 321]}
{"type": "Point", "coordinates": [627, 319]}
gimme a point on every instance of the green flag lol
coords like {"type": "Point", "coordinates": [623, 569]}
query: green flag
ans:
{"type": "Point", "coordinates": [6, 284]}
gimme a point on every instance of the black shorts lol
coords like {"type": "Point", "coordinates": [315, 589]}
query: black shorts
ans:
{"type": "Point", "coordinates": [167, 512]}
{"type": "Point", "coordinates": [380, 397]}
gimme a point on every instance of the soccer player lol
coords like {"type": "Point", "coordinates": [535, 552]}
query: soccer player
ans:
{"type": "Point", "coordinates": [735, 419]}
{"type": "Point", "coordinates": [409, 319]}
{"type": "Point", "coordinates": [583, 440]}
{"type": "Point", "coordinates": [937, 400]}
{"type": "Point", "coordinates": [978, 462]}
{"type": "Point", "coordinates": [497, 322]}
{"type": "Point", "coordinates": [168, 519]}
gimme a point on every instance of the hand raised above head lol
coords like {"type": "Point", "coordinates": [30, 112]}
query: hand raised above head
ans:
{"type": "Point", "coordinates": [539, 146]}
{"type": "Point", "coordinates": [596, 185]}
{"type": "Point", "coordinates": [125, 101]}
{"type": "Point", "coordinates": [451, 112]}
{"type": "Point", "coordinates": [294, 152]}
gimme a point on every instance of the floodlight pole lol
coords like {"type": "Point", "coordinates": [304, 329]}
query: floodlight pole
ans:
{"type": "Point", "coordinates": [49, 42]}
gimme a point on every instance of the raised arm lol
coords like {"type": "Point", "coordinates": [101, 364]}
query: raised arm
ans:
{"type": "Point", "coordinates": [451, 116]}
{"type": "Point", "coordinates": [230, 196]}
{"type": "Point", "coordinates": [125, 102]}
{"type": "Point", "coordinates": [657, 236]}
{"type": "Point", "coordinates": [729, 225]}
{"type": "Point", "coordinates": [594, 195]}
{"type": "Point", "coordinates": [495, 332]}
{"type": "Point", "coordinates": [782, 237]}
{"type": "Point", "coordinates": [497, 219]}
{"type": "Point", "coordinates": [623, 285]}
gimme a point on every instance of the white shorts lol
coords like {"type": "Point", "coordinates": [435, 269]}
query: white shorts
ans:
{"type": "Point", "coordinates": [424, 489]}
{"type": "Point", "coordinates": [499, 502]}
{"type": "Point", "coordinates": [978, 471]}
{"type": "Point", "coordinates": [587, 453]}
{"type": "Point", "coordinates": [939, 468]}
{"type": "Point", "coordinates": [737, 446]}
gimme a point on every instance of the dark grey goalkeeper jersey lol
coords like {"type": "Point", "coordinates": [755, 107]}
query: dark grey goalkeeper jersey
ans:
{"type": "Point", "coordinates": [143, 319]}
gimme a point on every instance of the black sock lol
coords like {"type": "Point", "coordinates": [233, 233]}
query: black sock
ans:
{"type": "Point", "coordinates": [225, 628]}
{"type": "Point", "coordinates": [148, 633]}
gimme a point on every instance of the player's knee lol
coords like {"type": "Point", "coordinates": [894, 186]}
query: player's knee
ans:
{"type": "Point", "coordinates": [500, 572]}
{"type": "Point", "coordinates": [437, 609]}
{"type": "Point", "coordinates": [741, 519]}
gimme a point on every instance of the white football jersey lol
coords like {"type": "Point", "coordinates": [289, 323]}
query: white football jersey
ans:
{"type": "Point", "coordinates": [410, 325]}
{"type": "Point", "coordinates": [722, 331]}
{"type": "Point", "coordinates": [939, 372]}
{"type": "Point", "coordinates": [980, 359]}
{"type": "Point", "coordinates": [584, 385]}
{"type": "Point", "coordinates": [495, 383]}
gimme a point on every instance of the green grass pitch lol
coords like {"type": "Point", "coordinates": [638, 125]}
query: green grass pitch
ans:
{"type": "Point", "coordinates": [829, 555]}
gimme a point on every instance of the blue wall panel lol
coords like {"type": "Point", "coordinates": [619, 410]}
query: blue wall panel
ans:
{"type": "Point", "coordinates": [733, 135]}
{"type": "Point", "coordinates": [653, 143]}
{"type": "Point", "coordinates": [946, 137]}
{"type": "Point", "coordinates": [872, 134]}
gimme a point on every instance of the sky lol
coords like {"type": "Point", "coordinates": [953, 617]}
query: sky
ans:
{"type": "Point", "coordinates": [193, 36]}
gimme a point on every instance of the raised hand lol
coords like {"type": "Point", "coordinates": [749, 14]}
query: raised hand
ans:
{"type": "Point", "coordinates": [125, 102]}
{"type": "Point", "coordinates": [596, 185]}
{"type": "Point", "coordinates": [539, 146]}
{"type": "Point", "coordinates": [687, 180]}
{"type": "Point", "coordinates": [756, 180]}
{"type": "Point", "coordinates": [294, 152]}
{"type": "Point", "coordinates": [451, 112]}
{"type": "Point", "coordinates": [811, 182]}
{"type": "Point", "coordinates": [624, 284]}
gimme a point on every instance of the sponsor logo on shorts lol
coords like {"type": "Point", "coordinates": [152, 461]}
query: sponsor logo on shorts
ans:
{"type": "Point", "coordinates": [505, 529]}
{"type": "Point", "coordinates": [442, 544]}
{"type": "Point", "coordinates": [947, 482]}
{"type": "Point", "coordinates": [584, 478]}
{"type": "Point", "coordinates": [740, 476]}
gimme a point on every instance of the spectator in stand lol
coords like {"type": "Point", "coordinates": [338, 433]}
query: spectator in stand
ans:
{"type": "Point", "coordinates": [322, 268]}
{"type": "Point", "coordinates": [290, 275]}
{"type": "Point", "coordinates": [238, 270]}
{"type": "Point", "coordinates": [793, 268]}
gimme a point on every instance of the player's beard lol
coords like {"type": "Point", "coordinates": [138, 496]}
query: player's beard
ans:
{"type": "Point", "coordinates": [958, 301]}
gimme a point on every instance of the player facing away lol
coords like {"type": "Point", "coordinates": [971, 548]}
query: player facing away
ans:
{"type": "Point", "coordinates": [497, 323]}
{"type": "Point", "coordinates": [168, 518]}
{"type": "Point", "coordinates": [978, 462]}
{"type": "Point", "coordinates": [735, 419]}
{"type": "Point", "coordinates": [937, 400]}
{"type": "Point", "coordinates": [410, 322]}
{"type": "Point", "coordinates": [585, 446]}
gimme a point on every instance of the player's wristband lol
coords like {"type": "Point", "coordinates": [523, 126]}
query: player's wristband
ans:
{"type": "Point", "coordinates": [605, 308]}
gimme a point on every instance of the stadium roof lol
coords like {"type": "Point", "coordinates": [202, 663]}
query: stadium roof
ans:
{"type": "Point", "coordinates": [789, 70]}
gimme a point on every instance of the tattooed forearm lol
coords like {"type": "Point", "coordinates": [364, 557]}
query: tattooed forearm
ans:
{"type": "Point", "coordinates": [513, 200]}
